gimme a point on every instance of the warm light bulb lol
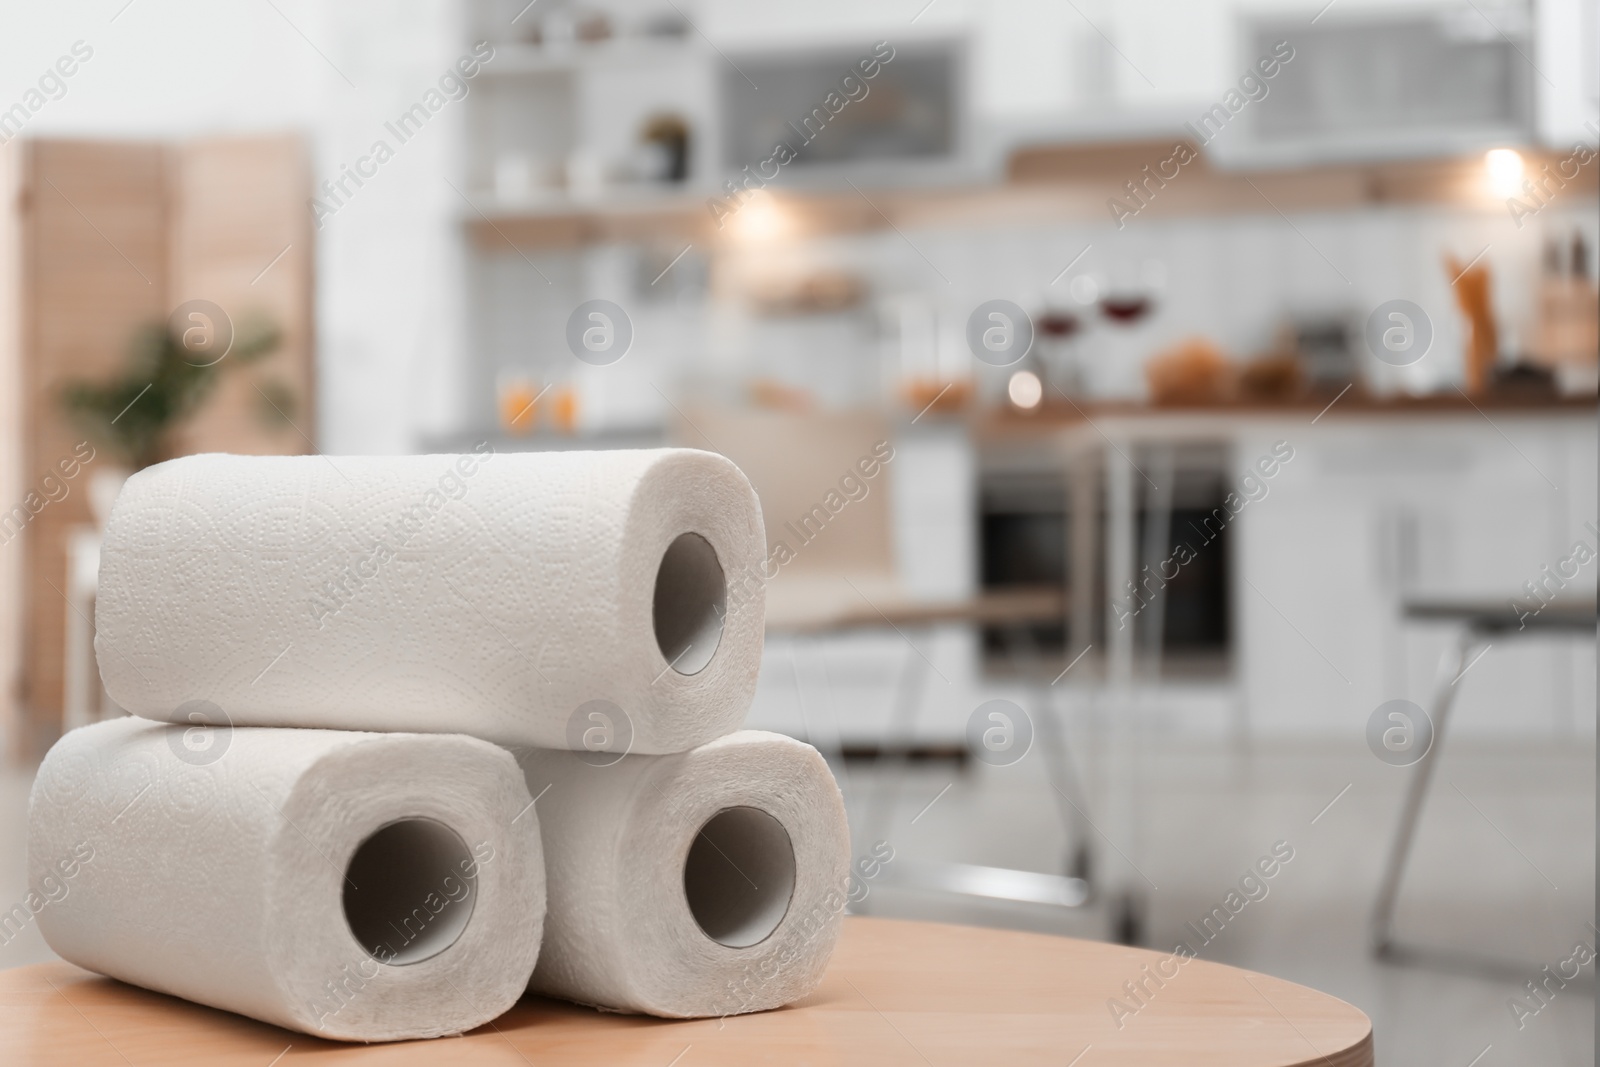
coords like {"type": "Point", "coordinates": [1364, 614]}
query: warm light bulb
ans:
{"type": "Point", "coordinates": [1025, 389]}
{"type": "Point", "coordinates": [761, 218]}
{"type": "Point", "coordinates": [1504, 169]}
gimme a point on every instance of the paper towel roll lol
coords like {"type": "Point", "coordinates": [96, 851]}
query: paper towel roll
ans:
{"type": "Point", "coordinates": [364, 887]}
{"type": "Point", "coordinates": [710, 882]}
{"type": "Point", "coordinates": [492, 595]}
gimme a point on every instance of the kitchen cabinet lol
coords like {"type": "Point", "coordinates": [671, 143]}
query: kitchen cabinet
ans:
{"type": "Point", "coordinates": [1371, 511]}
{"type": "Point", "coordinates": [840, 689]}
{"type": "Point", "coordinates": [1373, 506]}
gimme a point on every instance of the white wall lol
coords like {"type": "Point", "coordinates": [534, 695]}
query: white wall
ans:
{"type": "Point", "coordinates": [390, 318]}
{"type": "Point", "coordinates": [388, 321]}
{"type": "Point", "coordinates": [392, 341]}
{"type": "Point", "coordinates": [165, 68]}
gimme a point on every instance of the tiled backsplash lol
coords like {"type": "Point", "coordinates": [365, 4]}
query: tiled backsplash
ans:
{"type": "Point", "coordinates": [1232, 279]}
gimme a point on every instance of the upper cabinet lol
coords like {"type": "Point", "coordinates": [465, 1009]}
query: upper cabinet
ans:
{"type": "Point", "coordinates": [609, 101]}
{"type": "Point", "coordinates": [874, 111]}
{"type": "Point", "coordinates": [1361, 85]}
{"type": "Point", "coordinates": [1364, 81]}
{"type": "Point", "coordinates": [1566, 49]}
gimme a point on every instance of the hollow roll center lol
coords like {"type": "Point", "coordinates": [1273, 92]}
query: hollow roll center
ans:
{"type": "Point", "coordinates": [691, 596]}
{"type": "Point", "coordinates": [739, 876]}
{"type": "Point", "coordinates": [409, 890]}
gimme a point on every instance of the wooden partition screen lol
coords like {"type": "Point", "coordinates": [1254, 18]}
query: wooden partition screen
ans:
{"type": "Point", "coordinates": [97, 240]}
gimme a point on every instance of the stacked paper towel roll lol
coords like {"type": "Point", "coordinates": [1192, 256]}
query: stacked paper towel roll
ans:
{"type": "Point", "coordinates": [483, 594]}
{"type": "Point", "coordinates": [360, 886]}
{"type": "Point", "coordinates": [705, 883]}
{"type": "Point", "coordinates": [319, 830]}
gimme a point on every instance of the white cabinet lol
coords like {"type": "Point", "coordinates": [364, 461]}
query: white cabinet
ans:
{"type": "Point", "coordinates": [1373, 510]}
{"type": "Point", "coordinates": [1569, 65]}
{"type": "Point", "coordinates": [1369, 510]}
{"type": "Point", "coordinates": [842, 689]}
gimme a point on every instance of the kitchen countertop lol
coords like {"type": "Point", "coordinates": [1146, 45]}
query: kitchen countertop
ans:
{"type": "Point", "coordinates": [1055, 414]}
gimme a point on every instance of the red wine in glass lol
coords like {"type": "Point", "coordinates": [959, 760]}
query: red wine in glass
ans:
{"type": "Point", "coordinates": [1125, 308]}
{"type": "Point", "coordinates": [1059, 324]}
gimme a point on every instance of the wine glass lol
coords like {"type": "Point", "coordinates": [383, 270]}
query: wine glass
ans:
{"type": "Point", "coordinates": [1055, 329]}
{"type": "Point", "coordinates": [1130, 294]}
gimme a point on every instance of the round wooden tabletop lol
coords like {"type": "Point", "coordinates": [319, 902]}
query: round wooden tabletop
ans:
{"type": "Point", "coordinates": [896, 993]}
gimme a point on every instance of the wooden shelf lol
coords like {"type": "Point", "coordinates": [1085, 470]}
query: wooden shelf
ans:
{"type": "Point", "coordinates": [1044, 184]}
{"type": "Point", "coordinates": [514, 59]}
{"type": "Point", "coordinates": [564, 223]}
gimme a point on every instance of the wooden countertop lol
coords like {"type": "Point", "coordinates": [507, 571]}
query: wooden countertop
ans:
{"type": "Point", "coordinates": [907, 993]}
{"type": "Point", "coordinates": [1352, 403]}
{"type": "Point", "coordinates": [817, 605]}
{"type": "Point", "coordinates": [1056, 413]}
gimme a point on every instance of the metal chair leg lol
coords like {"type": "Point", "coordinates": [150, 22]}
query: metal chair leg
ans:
{"type": "Point", "coordinates": [996, 883]}
{"type": "Point", "coordinates": [1410, 813]}
{"type": "Point", "coordinates": [1070, 796]}
{"type": "Point", "coordinates": [902, 730]}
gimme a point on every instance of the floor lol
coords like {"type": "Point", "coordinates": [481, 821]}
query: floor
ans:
{"type": "Point", "coordinates": [1501, 882]}
{"type": "Point", "coordinates": [1503, 869]}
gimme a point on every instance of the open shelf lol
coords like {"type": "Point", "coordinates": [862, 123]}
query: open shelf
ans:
{"type": "Point", "coordinates": [1044, 184]}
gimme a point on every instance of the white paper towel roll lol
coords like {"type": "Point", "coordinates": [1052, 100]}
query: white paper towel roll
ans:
{"type": "Point", "coordinates": [710, 882]}
{"type": "Point", "coordinates": [493, 595]}
{"type": "Point", "coordinates": [364, 887]}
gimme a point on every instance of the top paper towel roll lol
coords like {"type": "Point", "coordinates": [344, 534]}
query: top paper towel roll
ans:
{"type": "Point", "coordinates": [562, 599]}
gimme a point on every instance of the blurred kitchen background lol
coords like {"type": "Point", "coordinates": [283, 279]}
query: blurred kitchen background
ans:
{"type": "Point", "coordinates": [1299, 313]}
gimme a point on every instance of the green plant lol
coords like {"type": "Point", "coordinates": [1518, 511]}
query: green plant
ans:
{"type": "Point", "coordinates": [163, 383]}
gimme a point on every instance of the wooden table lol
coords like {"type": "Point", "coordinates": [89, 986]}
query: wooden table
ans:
{"type": "Point", "coordinates": [897, 993]}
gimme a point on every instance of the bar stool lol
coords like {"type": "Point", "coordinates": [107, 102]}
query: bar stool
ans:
{"type": "Point", "coordinates": [1479, 621]}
